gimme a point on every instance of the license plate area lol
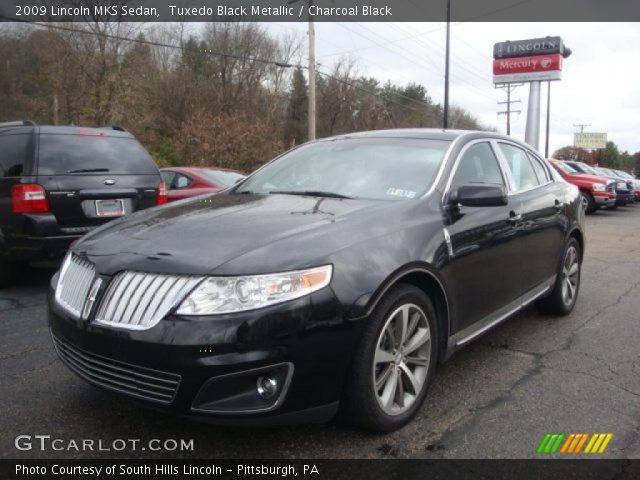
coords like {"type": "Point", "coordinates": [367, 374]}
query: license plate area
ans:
{"type": "Point", "coordinates": [110, 208]}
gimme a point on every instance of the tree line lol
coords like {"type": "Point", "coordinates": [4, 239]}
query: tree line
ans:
{"type": "Point", "coordinates": [229, 94]}
{"type": "Point", "coordinates": [609, 157]}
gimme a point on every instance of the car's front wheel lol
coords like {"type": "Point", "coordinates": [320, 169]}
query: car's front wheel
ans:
{"type": "Point", "coordinates": [589, 202]}
{"type": "Point", "coordinates": [394, 361]}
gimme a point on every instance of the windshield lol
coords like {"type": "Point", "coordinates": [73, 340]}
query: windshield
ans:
{"type": "Point", "coordinates": [373, 168]}
{"type": "Point", "coordinates": [221, 177]}
{"type": "Point", "coordinates": [92, 154]}
{"type": "Point", "coordinates": [588, 169]}
{"type": "Point", "coordinates": [567, 168]}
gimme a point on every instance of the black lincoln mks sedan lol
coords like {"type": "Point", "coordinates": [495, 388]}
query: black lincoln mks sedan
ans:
{"type": "Point", "coordinates": [336, 276]}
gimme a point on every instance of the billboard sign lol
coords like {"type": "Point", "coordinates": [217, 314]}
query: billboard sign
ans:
{"type": "Point", "coordinates": [590, 140]}
{"type": "Point", "coordinates": [527, 69]}
{"type": "Point", "coordinates": [533, 46]}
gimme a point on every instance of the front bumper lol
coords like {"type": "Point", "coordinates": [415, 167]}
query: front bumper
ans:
{"type": "Point", "coordinates": [209, 362]}
{"type": "Point", "coordinates": [604, 200]}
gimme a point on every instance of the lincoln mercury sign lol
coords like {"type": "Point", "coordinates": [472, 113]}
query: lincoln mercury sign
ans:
{"type": "Point", "coordinates": [533, 46]}
{"type": "Point", "coordinates": [537, 59]}
{"type": "Point", "coordinates": [590, 140]}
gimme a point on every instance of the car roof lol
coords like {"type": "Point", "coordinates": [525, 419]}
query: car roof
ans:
{"type": "Point", "coordinates": [196, 169]}
{"type": "Point", "coordinates": [68, 130]}
{"type": "Point", "coordinates": [425, 133]}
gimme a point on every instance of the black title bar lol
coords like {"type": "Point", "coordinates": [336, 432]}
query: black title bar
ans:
{"type": "Point", "coordinates": [321, 10]}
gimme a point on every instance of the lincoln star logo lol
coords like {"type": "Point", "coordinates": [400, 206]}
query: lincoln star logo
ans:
{"type": "Point", "coordinates": [91, 299]}
{"type": "Point", "coordinates": [109, 181]}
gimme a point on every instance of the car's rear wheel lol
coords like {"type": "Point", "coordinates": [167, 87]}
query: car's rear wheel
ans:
{"type": "Point", "coordinates": [563, 297]}
{"type": "Point", "coordinates": [588, 202]}
{"type": "Point", "coordinates": [394, 361]}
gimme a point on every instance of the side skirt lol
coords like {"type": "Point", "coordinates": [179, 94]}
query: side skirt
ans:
{"type": "Point", "coordinates": [463, 337]}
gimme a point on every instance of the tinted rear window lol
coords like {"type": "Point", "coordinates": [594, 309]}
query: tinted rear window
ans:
{"type": "Point", "coordinates": [15, 151]}
{"type": "Point", "coordinates": [66, 154]}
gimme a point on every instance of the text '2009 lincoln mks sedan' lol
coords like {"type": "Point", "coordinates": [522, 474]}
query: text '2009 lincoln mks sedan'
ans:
{"type": "Point", "coordinates": [336, 276]}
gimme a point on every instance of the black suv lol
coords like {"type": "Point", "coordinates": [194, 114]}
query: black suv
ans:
{"type": "Point", "coordinates": [57, 183]}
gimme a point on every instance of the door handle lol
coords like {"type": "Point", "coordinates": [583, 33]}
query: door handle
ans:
{"type": "Point", "coordinates": [514, 217]}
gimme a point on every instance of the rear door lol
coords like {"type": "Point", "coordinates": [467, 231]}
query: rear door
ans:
{"type": "Point", "coordinates": [92, 177]}
{"type": "Point", "coordinates": [539, 203]}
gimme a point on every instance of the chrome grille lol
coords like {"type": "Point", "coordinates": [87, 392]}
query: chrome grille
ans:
{"type": "Point", "coordinates": [611, 187]}
{"type": "Point", "coordinates": [76, 278]}
{"type": "Point", "coordinates": [138, 301]}
{"type": "Point", "coordinates": [126, 378]}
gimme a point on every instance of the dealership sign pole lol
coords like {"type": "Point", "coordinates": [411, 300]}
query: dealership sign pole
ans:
{"type": "Point", "coordinates": [532, 61]}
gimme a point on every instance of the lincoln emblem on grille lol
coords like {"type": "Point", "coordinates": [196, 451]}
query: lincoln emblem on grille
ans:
{"type": "Point", "coordinates": [109, 181]}
{"type": "Point", "coordinates": [91, 299]}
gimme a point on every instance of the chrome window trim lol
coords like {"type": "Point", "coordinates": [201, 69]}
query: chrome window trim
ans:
{"type": "Point", "coordinates": [443, 164]}
{"type": "Point", "coordinates": [456, 163]}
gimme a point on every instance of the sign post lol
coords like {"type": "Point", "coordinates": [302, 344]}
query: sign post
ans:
{"type": "Point", "coordinates": [533, 61]}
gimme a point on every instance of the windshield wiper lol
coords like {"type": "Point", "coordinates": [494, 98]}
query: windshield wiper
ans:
{"type": "Point", "coordinates": [88, 170]}
{"type": "Point", "coordinates": [311, 193]}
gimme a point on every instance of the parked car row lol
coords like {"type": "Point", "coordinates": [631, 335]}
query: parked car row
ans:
{"type": "Point", "coordinates": [59, 183]}
{"type": "Point", "coordinates": [599, 187]}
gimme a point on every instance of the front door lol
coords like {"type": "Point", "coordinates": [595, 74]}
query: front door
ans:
{"type": "Point", "coordinates": [483, 274]}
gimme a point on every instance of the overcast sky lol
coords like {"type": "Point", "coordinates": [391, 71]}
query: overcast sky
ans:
{"type": "Point", "coordinates": [600, 85]}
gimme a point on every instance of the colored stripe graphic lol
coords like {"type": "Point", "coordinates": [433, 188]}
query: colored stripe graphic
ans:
{"type": "Point", "coordinates": [572, 443]}
{"type": "Point", "coordinates": [551, 442]}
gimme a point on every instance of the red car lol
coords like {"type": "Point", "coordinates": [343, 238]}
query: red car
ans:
{"type": "Point", "coordinates": [597, 192]}
{"type": "Point", "coordinates": [184, 182]}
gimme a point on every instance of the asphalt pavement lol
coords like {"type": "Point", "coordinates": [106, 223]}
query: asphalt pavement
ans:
{"type": "Point", "coordinates": [496, 398]}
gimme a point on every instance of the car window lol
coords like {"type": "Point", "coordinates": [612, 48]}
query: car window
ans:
{"type": "Point", "coordinates": [64, 154]}
{"type": "Point", "coordinates": [167, 177]}
{"type": "Point", "coordinates": [541, 172]}
{"type": "Point", "coordinates": [478, 164]}
{"type": "Point", "coordinates": [522, 172]}
{"type": "Point", "coordinates": [15, 150]}
{"type": "Point", "coordinates": [221, 177]}
{"type": "Point", "coordinates": [181, 181]}
{"type": "Point", "coordinates": [566, 167]}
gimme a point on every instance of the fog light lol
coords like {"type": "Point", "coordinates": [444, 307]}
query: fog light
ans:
{"type": "Point", "coordinates": [267, 386]}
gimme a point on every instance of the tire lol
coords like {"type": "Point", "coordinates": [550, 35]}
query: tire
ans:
{"type": "Point", "coordinates": [364, 405]}
{"type": "Point", "coordinates": [563, 297]}
{"type": "Point", "coordinates": [5, 273]}
{"type": "Point", "coordinates": [589, 202]}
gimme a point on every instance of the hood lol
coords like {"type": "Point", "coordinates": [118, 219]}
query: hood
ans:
{"type": "Point", "coordinates": [196, 236]}
{"type": "Point", "coordinates": [590, 178]}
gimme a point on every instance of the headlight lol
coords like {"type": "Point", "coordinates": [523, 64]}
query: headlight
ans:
{"type": "Point", "coordinates": [622, 186]}
{"type": "Point", "coordinates": [216, 295]}
{"type": "Point", "coordinates": [599, 187]}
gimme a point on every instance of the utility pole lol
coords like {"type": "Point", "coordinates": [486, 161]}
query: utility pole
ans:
{"type": "Point", "coordinates": [311, 113]}
{"type": "Point", "coordinates": [445, 120]}
{"type": "Point", "coordinates": [581, 126]}
{"type": "Point", "coordinates": [312, 77]}
{"type": "Point", "coordinates": [509, 88]}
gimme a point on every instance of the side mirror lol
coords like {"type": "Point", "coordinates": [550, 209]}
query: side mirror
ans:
{"type": "Point", "coordinates": [479, 195]}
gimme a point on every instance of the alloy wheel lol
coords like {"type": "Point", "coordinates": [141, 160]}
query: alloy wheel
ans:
{"type": "Point", "coordinates": [401, 360]}
{"type": "Point", "coordinates": [570, 276]}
